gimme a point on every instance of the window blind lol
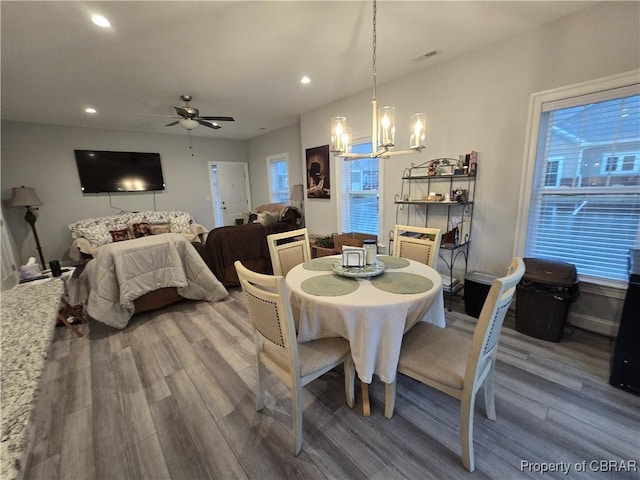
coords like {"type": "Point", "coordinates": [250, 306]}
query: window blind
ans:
{"type": "Point", "coordinates": [278, 181]}
{"type": "Point", "coordinates": [360, 202]}
{"type": "Point", "coordinates": [585, 206]}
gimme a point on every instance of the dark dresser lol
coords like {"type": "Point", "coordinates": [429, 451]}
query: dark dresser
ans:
{"type": "Point", "coordinates": [625, 368]}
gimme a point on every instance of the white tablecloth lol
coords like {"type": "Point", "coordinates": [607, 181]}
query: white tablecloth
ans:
{"type": "Point", "coordinates": [373, 320]}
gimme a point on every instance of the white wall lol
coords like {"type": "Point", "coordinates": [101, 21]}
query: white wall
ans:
{"type": "Point", "coordinates": [41, 156]}
{"type": "Point", "coordinates": [285, 140]}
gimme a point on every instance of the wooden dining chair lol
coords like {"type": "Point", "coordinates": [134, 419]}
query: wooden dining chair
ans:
{"type": "Point", "coordinates": [277, 349]}
{"type": "Point", "coordinates": [422, 245]}
{"type": "Point", "coordinates": [288, 249]}
{"type": "Point", "coordinates": [458, 365]}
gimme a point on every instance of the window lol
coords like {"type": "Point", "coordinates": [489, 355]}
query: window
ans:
{"type": "Point", "coordinates": [360, 193]}
{"type": "Point", "coordinates": [278, 172]}
{"type": "Point", "coordinates": [620, 163]}
{"type": "Point", "coordinates": [553, 172]}
{"type": "Point", "coordinates": [583, 176]}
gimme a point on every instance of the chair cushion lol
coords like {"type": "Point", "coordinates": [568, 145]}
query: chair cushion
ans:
{"type": "Point", "coordinates": [317, 354]}
{"type": "Point", "coordinates": [314, 355]}
{"type": "Point", "coordinates": [431, 352]}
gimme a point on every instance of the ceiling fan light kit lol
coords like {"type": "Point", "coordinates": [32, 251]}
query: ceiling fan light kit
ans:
{"type": "Point", "coordinates": [383, 128]}
{"type": "Point", "coordinates": [188, 123]}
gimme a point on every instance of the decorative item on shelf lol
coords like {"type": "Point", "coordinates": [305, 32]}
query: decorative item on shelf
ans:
{"type": "Point", "coordinates": [459, 195]}
{"type": "Point", "coordinates": [383, 125]}
{"type": "Point", "coordinates": [440, 166]}
{"type": "Point", "coordinates": [472, 162]}
{"type": "Point", "coordinates": [433, 197]}
{"type": "Point", "coordinates": [452, 237]}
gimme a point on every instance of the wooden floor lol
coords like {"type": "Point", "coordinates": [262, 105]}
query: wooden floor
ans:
{"type": "Point", "coordinates": [172, 396]}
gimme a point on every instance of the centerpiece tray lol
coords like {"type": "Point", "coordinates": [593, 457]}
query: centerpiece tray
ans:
{"type": "Point", "coordinates": [358, 272]}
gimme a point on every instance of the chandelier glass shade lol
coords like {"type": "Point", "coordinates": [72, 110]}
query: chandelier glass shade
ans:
{"type": "Point", "coordinates": [383, 126]}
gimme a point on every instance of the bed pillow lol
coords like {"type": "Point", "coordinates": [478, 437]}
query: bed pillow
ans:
{"type": "Point", "coordinates": [120, 235]}
{"type": "Point", "coordinates": [140, 229]}
{"type": "Point", "coordinates": [160, 228]}
{"type": "Point", "coordinates": [268, 218]}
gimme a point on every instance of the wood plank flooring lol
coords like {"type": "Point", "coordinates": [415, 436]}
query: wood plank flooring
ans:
{"type": "Point", "coordinates": [172, 397]}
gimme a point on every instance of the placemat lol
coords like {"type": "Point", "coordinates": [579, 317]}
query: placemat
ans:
{"type": "Point", "coordinates": [393, 262]}
{"type": "Point", "coordinates": [402, 282]}
{"type": "Point", "coordinates": [322, 264]}
{"type": "Point", "coordinates": [329, 285]}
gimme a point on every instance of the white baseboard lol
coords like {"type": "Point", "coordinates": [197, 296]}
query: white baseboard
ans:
{"type": "Point", "coordinates": [594, 324]}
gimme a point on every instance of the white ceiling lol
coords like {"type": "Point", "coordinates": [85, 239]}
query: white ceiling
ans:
{"type": "Point", "coordinates": [242, 59]}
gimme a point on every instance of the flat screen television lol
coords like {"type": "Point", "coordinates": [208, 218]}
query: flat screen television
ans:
{"type": "Point", "coordinates": [103, 171]}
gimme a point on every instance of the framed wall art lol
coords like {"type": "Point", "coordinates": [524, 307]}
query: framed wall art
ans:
{"type": "Point", "coordinates": [318, 172]}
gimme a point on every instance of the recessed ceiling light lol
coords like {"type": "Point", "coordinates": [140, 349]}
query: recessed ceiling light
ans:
{"type": "Point", "coordinates": [304, 80]}
{"type": "Point", "coordinates": [90, 110]}
{"type": "Point", "coordinates": [100, 21]}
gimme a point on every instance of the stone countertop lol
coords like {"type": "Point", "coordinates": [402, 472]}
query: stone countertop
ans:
{"type": "Point", "coordinates": [28, 314]}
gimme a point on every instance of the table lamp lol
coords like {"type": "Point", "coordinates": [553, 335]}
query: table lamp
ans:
{"type": "Point", "coordinates": [26, 197]}
{"type": "Point", "coordinates": [297, 194]}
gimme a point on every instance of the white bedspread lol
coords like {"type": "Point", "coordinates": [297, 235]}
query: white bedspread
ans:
{"type": "Point", "coordinates": [124, 271]}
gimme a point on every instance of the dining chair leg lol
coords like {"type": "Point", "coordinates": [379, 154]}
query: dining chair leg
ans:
{"type": "Point", "coordinates": [260, 385]}
{"type": "Point", "coordinates": [366, 406]}
{"type": "Point", "coordinates": [297, 418]}
{"type": "Point", "coordinates": [349, 379]}
{"type": "Point", "coordinates": [389, 398]}
{"type": "Point", "coordinates": [467, 404]}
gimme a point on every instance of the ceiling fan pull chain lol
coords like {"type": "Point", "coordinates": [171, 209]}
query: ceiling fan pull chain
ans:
{"type": "Point", "coordinates": [190, 147]}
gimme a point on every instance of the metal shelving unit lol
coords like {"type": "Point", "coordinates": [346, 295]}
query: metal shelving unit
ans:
{"type": "Point", "coordinates": [414, 202]}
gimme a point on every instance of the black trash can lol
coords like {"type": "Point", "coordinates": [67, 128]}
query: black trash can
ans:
{"type": "Point", "coordinates": [543, 298]}
{"type": "Point", "coordinates": [476, 289]}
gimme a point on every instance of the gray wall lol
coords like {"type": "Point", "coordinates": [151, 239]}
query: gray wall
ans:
{"type": "Point", "coordinates": [41, 156]}
{"type": "Point", "coordinates": [480, 102]}
{"type": "Point", "coordinates": [286, 140]}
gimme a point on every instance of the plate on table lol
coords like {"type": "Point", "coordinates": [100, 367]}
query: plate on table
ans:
{"type": "Point", "coordinates": [358, 272]}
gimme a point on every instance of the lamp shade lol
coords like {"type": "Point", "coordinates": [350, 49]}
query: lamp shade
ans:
{"type": "Point", "coordinates": [297, 193]}
{"type": "Point", "coordinates": [24, 197]}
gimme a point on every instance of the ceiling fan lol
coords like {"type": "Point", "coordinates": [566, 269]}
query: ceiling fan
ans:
{"type": "Point", "coordinates": [190, 117]}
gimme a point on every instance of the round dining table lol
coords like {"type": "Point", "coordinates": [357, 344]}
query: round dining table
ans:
{"type": "Point", "coordinates": [372, 312]}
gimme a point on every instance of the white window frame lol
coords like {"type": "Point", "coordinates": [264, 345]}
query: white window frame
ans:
{"type": "Point", "coordinates": [359, 139]}
{"type": "Point", "coordinates": [624, 80]}
{"type": "Point", "coordinates": [273, 159]}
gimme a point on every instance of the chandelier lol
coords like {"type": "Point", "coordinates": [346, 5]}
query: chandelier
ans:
{"type": "Point", "coordinates": [383, 128]}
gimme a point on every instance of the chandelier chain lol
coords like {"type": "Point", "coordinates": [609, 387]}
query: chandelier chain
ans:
{"type": "Point", "coordinates": [375, 34]}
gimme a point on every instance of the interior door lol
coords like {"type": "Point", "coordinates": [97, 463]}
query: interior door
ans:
{"type": "Point", "coordinates": [233, 190]}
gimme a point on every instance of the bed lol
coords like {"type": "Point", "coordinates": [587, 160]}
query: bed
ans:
{"type": "Point", "coordinates": [123, 273]}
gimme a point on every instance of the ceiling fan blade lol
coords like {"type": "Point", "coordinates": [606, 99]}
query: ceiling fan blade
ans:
{"type": "Point", "coordinates": [172, 123]}
{"type": "Point", "coordinates": [219, 119]}
{"type": "Point", "coordinates": [208, 124]}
